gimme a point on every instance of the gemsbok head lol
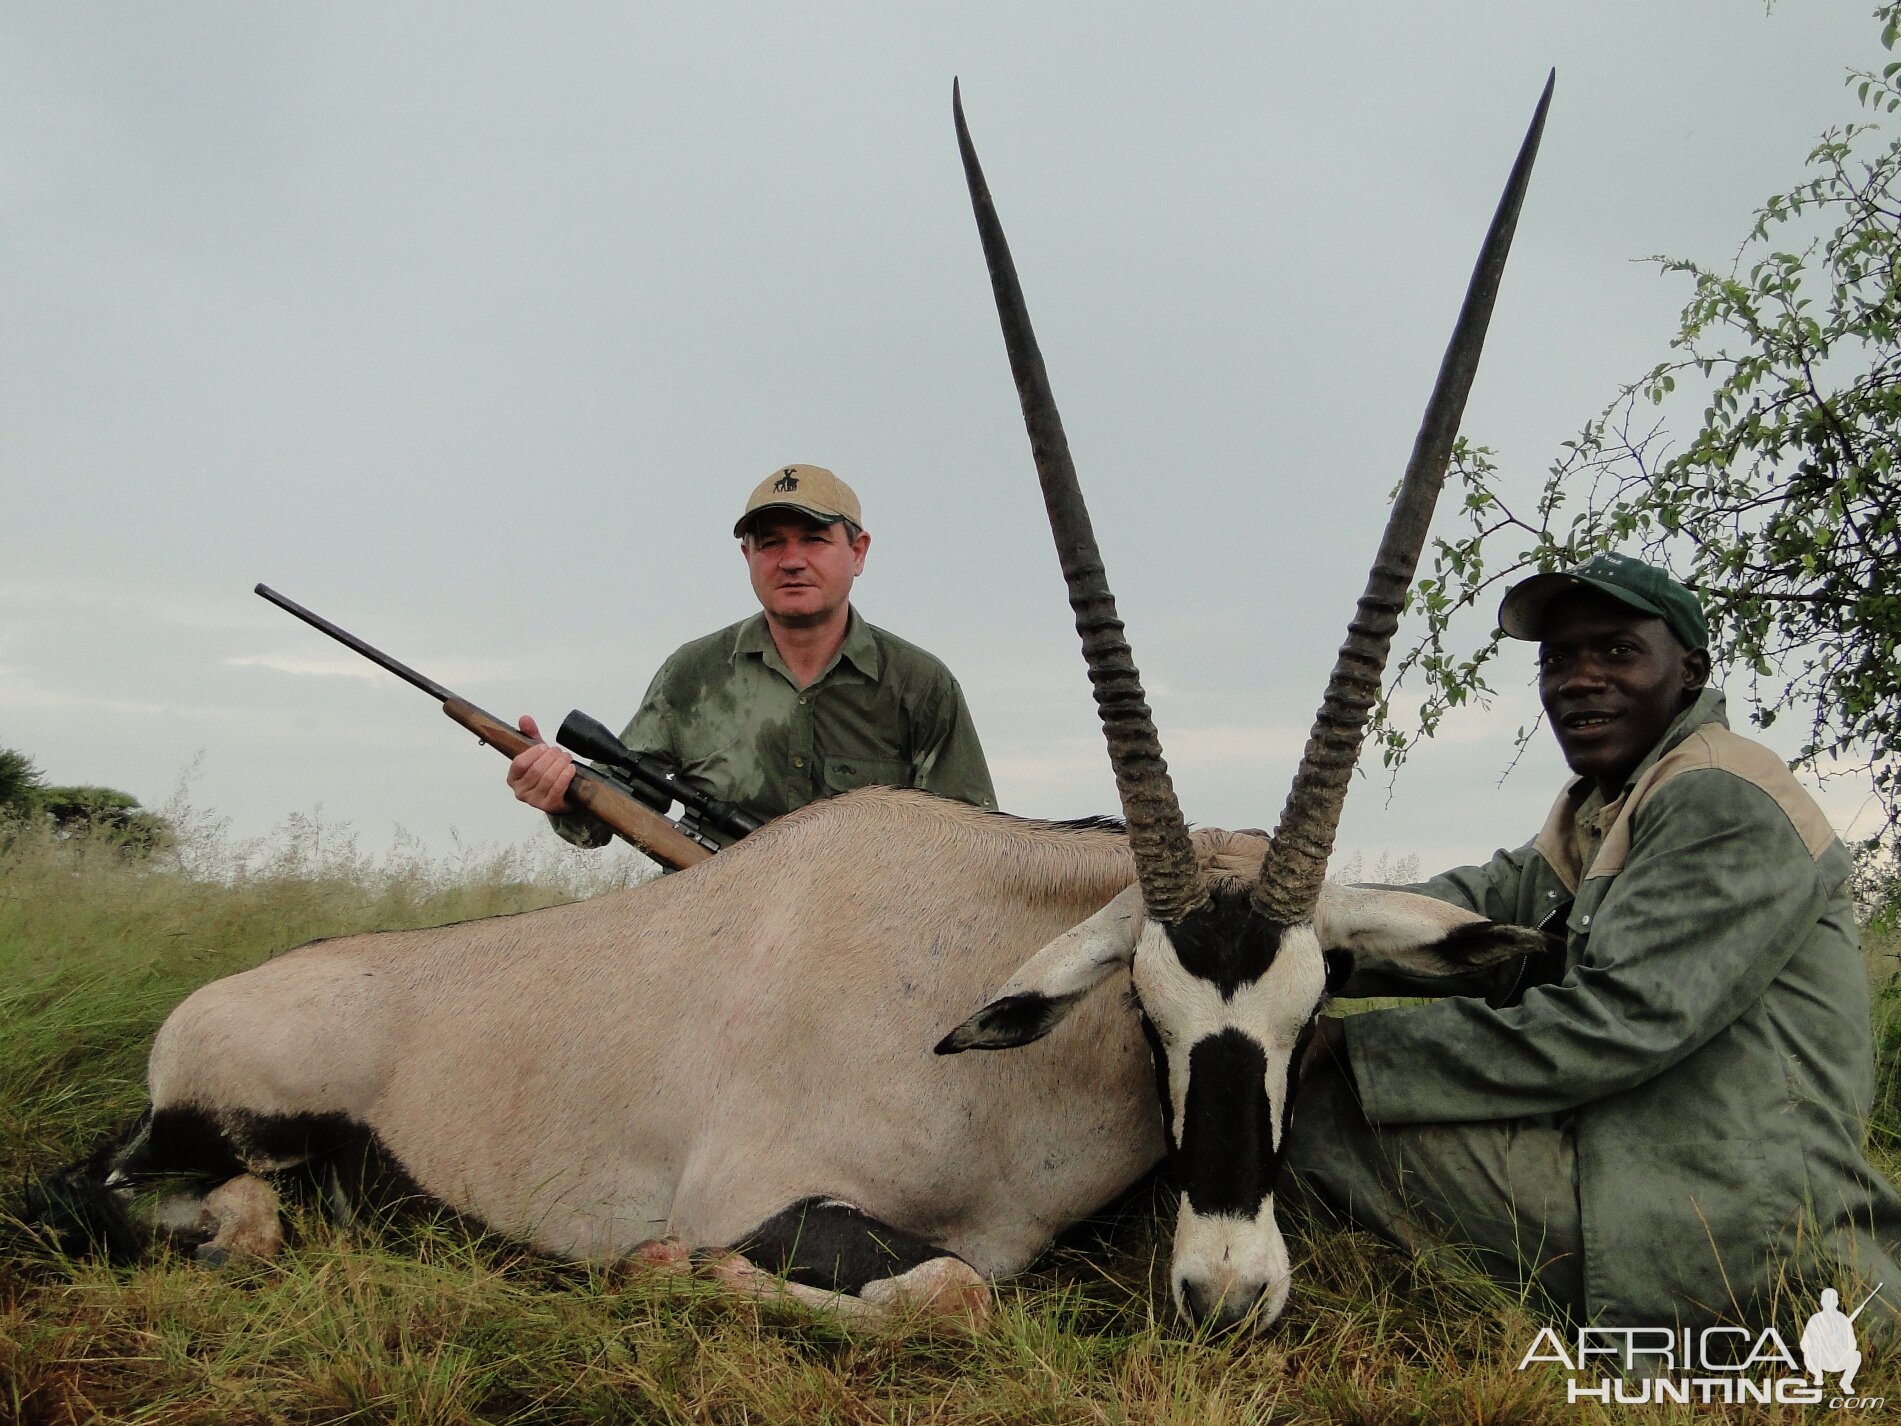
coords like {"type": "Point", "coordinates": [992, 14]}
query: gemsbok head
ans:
{"type": "Point", "coordinates": [1229, 975]}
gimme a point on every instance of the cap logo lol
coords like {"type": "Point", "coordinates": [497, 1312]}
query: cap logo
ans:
{"type": "Point", "coordinates": [786, 481]}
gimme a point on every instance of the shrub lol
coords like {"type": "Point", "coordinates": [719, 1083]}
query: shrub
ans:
{"type": "Point", "coordinates": [19, 778]}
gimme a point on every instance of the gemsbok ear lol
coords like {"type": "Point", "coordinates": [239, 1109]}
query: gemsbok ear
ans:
{"type": "Point", "coordinates": [1052, 981]}
{"type": "Point", "coordinates": [1415, 934]}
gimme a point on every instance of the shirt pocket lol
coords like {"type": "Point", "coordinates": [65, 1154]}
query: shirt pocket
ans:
{"type": "Point", "coordinates": [842, 774]}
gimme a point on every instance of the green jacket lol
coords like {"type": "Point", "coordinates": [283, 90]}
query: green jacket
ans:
{"type": "Point", "coordinates": [726, 711]}
{"type": "Point", "coordinates": [1707, 1034]}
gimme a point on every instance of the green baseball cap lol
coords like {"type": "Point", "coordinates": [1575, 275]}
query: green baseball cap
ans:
{"type": "Point", "coordinates": [1643, 587]}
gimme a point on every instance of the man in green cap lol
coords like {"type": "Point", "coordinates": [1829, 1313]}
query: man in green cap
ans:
{"type": "Point", "coordinates": [1658, 1123]}
{"type": "Point", "coordinates": [801, 701]}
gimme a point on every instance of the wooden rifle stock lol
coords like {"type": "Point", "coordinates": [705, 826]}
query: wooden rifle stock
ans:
{"type": "Point", "coordinates": [629, 817]}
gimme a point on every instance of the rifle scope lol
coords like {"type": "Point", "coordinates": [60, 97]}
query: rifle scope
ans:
{"type": "Point", "coordinates": [591, 739]}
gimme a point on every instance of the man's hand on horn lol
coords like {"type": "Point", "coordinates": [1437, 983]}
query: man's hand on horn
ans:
{"type": "Point", "coordinates": [540, 775]}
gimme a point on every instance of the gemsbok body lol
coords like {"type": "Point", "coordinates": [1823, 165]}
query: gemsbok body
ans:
{"type": "Point", "coordinates": [740, 1057]}
{"type": "Point", "coordinates": [734, 1057]}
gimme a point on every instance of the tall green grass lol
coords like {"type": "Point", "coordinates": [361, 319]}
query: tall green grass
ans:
{"type": "Point", "coordinates": [97, 945]}
{"type": "Point", "coordinates": [438, 1324]}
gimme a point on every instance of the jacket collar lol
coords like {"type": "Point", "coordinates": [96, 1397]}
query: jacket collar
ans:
{"type": "Point", "coordinates": [1556, 841]}
{"type": "Point", "coordinates": [860, 649]}
{"type": "Point", "coordinates": [1709, 707]}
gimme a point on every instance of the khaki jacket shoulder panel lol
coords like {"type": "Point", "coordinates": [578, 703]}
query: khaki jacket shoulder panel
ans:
{"type": "Point", "coordinates": [1713, 747]}
{"type": "Point", "coordinates": [1553, 841]}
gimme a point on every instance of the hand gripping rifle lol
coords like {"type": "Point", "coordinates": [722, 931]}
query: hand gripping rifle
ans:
{"type": "Point", "coordinates": [673, 844]}
{"type": "Point", "coordinates": [656, 778]}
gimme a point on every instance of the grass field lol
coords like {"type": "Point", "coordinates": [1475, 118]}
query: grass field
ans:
{"type": "Point", "coordinates": [430, 1324]}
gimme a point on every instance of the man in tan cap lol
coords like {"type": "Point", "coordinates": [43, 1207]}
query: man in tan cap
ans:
{"type": "Point", "coordinates": [801, 701]}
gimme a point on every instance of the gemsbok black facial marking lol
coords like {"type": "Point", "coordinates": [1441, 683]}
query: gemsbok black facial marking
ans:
{"type": "Point", "coordinates": [1159, 1056]}
{"type": "Point", "coordinates": [1294, 1064]}
{"type": "Point", "coordinates": [1227, 1160]}
{"type": "Point", "coordinates": [1226, 944]}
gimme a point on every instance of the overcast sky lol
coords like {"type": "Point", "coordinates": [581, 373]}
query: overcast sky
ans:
{"type": "Point", "coordinates": [471, 325]}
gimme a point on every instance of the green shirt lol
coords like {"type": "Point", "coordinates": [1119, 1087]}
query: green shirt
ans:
{"type": "Point", "coordinates": [727, 712]}
{"type": "Point", "coordinates": [1707, 1033]}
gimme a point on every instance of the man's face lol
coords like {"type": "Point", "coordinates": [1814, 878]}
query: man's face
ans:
{"type": "Point", "coordinates": [1611, 680]}
{"type": "Point", "coordinates": [801, 570]}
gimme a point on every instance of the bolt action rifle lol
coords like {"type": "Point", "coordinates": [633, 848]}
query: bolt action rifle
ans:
{"type": "Point", "coordinates": [651, 778]}
{"type": "Point", "coordinates": [623, 806]}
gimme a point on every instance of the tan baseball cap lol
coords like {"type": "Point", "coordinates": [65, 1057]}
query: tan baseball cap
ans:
{"type": "Point", "coordinates": [809, 489]}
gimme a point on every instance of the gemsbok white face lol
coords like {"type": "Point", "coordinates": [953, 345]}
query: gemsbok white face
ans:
{"type": "Point", "coordinates": [1225, 1019]}
{"type": "Point", "coordinates": [1228, 1029]}
{"type": "Point", "coordinates": [1229, 978]}
{"type": "Point", "coordinates": [1227, 1007]}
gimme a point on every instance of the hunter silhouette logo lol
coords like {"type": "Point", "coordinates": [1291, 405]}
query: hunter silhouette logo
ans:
{"type": "Point", "coordinates": [786, 481]}
{"type": "Point", "coordinates": [1828, 1341]}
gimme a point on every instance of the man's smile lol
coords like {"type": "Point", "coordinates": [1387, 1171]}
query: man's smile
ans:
{"type": "Point", "coordinates": [1585, 720]}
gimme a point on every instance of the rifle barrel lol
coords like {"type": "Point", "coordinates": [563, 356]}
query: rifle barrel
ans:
{"type": "Point", "coordinates": [659, 837]}
{"type": "Point", "coordinates": [344, 636]}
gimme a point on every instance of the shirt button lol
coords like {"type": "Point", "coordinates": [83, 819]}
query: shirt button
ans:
{"type": "Point", "coordinates": [798, 762]}
{"type": "Point", "coordinates": [801, 700]}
